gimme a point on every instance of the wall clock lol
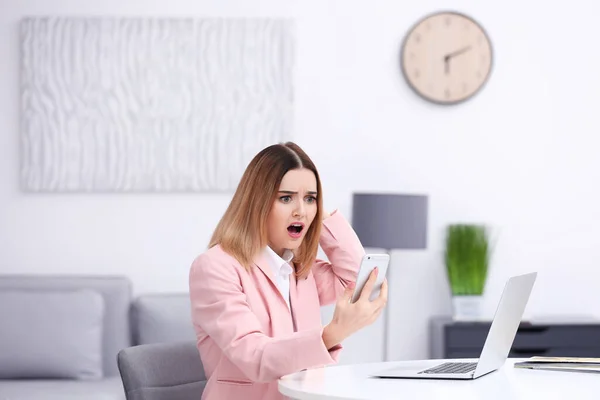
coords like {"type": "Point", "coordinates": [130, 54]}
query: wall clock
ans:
{"type": "Point", "coordinates": [446, 57]}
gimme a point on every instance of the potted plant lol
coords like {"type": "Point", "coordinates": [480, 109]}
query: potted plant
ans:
{"type": "Point", "coordinates": [467, 257]}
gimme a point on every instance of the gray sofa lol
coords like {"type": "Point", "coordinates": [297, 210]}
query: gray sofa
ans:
{"type": "Point", "coordinates": [60, 335]}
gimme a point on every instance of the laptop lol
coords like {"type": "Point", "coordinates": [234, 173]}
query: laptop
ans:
{"type": "Point", "coordinates": [497, 344]}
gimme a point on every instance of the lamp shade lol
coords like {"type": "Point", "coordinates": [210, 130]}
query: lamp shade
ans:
{"type": "Point", "coordinates": [390, 221]}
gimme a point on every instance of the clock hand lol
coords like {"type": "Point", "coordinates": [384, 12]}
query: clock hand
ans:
{"type": "Point", "coordinates": [448, 56]}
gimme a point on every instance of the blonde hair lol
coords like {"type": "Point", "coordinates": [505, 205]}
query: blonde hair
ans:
{"type": "Point", "coordinates": [242, 231]}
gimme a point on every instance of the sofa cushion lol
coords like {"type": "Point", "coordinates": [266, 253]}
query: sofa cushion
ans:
{"type": "Point", "coordinates": [162, 318]}
{"type": "Point", "coordinates": [116, 291]}
{"type": "Point", "coordinates": [51, 334]}
{"type": "Point", "coordinates": [58, 389]}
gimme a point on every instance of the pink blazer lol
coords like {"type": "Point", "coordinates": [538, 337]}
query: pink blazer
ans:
{"type": "Point", "coordinates": [244, 329]}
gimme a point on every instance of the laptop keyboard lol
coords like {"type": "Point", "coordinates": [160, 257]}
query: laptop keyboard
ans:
{"type": "Point", "coordinates": [451, 368]}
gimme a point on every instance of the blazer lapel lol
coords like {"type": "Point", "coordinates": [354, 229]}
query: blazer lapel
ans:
{"type": "Point", "coordinates": [294, 303]}
{"type": "Point", "coordinates": [263, 264]}
{"type": "Point", "coordinates": [294, 311]}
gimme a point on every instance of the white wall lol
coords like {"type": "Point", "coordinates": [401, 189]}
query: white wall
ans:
{"type": "Point", "coordinates": [521, 156]}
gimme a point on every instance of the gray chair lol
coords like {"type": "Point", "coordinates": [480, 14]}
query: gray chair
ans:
{"type": "Point", "coordinates": [162, 371]}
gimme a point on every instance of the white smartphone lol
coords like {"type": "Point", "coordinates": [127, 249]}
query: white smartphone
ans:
{"type": "Point", "coordinates": [369, 262]}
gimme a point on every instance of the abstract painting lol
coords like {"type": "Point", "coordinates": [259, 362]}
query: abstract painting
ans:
{"type": "Point", "coordinates": [150, 104]}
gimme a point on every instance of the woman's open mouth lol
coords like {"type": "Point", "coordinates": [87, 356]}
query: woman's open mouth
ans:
{"type": "Point", "coordinates": [295, 230]}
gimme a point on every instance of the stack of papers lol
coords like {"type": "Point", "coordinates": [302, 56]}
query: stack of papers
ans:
{"type": "Point", "coordinates": [572, 364]}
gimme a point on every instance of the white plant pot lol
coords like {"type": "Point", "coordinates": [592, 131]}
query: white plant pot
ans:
{"type": "Point", "coordinates": [466, 308]}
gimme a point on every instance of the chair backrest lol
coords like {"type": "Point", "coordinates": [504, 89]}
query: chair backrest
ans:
{"type": "Point", "coordinates": [162, 371]}
{"type": "Point", "coordinates": [116, 292]}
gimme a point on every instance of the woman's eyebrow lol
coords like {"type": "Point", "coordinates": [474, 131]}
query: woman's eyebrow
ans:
{"type": "Point", "coordinates": [314, 193]}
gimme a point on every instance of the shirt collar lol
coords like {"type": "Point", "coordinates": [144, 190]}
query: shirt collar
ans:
{"type": "Point", "coordinates": [280, 265]}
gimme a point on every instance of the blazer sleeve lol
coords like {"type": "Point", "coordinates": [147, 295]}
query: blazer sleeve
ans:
{"type": "Point", "coordinates": [219, 307]}
{"type": "Point", "coordinates": [344, 251]}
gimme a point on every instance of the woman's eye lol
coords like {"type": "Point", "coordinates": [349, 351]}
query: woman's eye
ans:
{"type": "Point", "coordinates": [311, 199]}
{"type": "Point", "coordinates": [286, 199]}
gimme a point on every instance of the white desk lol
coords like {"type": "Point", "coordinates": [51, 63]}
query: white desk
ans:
{"type": "Point", "coordinates": [348, 382]}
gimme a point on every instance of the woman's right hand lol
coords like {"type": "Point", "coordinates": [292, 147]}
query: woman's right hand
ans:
{"type": "Point", "coordinates": [350, 317]}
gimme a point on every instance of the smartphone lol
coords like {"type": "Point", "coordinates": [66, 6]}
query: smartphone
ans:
{"type": "Point", "coordinates": [368, 263]}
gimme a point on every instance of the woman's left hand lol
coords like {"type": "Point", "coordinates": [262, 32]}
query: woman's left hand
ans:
{"type": "Point", "coordinates": [327, 214]}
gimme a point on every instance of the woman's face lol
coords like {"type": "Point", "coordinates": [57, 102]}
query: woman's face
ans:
{"type": "Point", "coordinates": [293, 210]}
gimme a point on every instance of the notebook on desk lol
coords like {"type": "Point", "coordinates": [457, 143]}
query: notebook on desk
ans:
{"type": "Point", "coordinates": [567, 364]}
{"type": "Point", "coordinates": [497, 344]}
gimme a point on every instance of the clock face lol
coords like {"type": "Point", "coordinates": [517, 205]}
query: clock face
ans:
{"type": "Point", "coordinates": [446, 57]}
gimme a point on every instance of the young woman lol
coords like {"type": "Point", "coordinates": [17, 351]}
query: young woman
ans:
{"type": "Point", "coordinates": [256, 293]}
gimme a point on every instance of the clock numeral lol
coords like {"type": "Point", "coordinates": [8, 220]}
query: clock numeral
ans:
{"type": "Point", "coordinates": [447, 93]}
{"type": "Point", "coordinates": [464, 87]}
{"type": "Point", "coordinates": [417, 73]}
{"type": "Point", "coordinates": [417, 38]}
{"type": "Point", "coordinates": [479, 74]}
{"type": "Point", "coordinates": [448, 21]}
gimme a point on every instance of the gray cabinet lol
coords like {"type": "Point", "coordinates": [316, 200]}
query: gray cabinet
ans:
{"type": "Point", "coordinates": [450, 339]}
